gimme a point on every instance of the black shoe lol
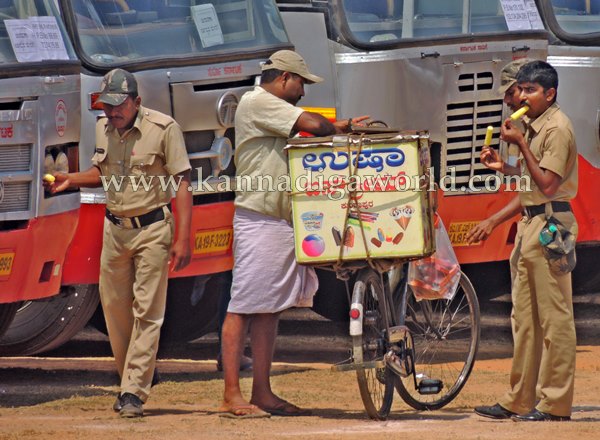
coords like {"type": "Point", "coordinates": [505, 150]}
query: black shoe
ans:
{"type": "Point", "coordinates": [156, 379]}
{"type": "Point", "coordinates": [494, 412]}
{"type": "Point", "coordinates": [132, 406]}
{"type": "Point", "coordinates": [537, 416]}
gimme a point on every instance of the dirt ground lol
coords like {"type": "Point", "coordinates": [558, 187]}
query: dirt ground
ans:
{"type": "Point", "coordinates": [68, 394]}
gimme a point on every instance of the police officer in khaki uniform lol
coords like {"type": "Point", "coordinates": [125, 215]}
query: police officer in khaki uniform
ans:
{"type": "Point", "coordinates": [542, 316]}
{"type": "Point", "coordinates": [140, 160]}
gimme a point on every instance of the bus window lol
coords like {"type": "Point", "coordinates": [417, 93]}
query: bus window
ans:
{"type": "Point", "coordinates": [401, 19]}
{"type": "Point", "coordinates": [112, 31]}
{"type": "Point", "coordinates": [577, 17]}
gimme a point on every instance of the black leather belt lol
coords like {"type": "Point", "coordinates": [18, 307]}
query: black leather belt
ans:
{"type": "Point", "coordinates": [140, 221]}
{"type": "Point", "coordinates": [532, 211]}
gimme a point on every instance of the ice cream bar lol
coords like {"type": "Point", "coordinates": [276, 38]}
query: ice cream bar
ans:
{"type": "Point", "coordinates": [376, 242]}
{"type": "Point", "coordinates": [337, 236]}
{"type": "Point", "coordinates": [49, 178]}
{"type": "Point", "coordinates": [488, 136]}
{"type": "Point", "coordinates": [516, 115]}
{"type": "Point", "coordinates": [380, 234]}
{"type": "Point", "coordinates": [398, 238]}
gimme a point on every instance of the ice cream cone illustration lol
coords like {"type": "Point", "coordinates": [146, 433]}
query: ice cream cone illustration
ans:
{"type": "Point", "coordinates": [402, 215]}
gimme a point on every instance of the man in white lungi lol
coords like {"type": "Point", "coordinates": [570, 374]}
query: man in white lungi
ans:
{"type": "Point", "coordinates": [266, 277]}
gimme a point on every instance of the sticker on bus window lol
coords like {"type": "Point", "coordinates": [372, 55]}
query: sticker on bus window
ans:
{"type": "Point", "coordinates": [521, 15]}
{"type": "Point", "coordinates": [207, 24]}
{"type": "Point", "coordinates": [36, 39]}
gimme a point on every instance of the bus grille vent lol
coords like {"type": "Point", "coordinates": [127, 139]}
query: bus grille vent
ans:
{"type": "Point", "coordinates": [15, 158]}
{"type": "Point", "coordinates": [468, 82]}
{"type": "Point", "coordinates": [15, 197]}
{"type": "Point", "coordinates": [466, 124]}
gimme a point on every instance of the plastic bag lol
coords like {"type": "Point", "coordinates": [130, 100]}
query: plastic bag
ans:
{"type": "Point", "coordinates": [437, 276]}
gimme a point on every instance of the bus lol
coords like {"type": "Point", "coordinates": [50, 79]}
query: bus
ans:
{"type": "Point", "coordinates": [433, 65]}
{"type": "Point", "coordinates": [39, 133]}
{"type": "Point", "coordinates": [193, 60]}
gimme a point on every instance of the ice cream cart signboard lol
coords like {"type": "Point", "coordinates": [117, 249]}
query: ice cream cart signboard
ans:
{"type": "Point", "coordinates": [357, 197]}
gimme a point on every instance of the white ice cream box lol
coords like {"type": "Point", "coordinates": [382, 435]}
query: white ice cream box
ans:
{"type": "Point", "coordinates": [361, 196]}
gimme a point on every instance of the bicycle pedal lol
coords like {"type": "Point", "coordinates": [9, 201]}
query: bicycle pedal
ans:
{"type": "Point", "coordinates": [398, 333]}
{"type": "Point", "coordinates": [430, 386]}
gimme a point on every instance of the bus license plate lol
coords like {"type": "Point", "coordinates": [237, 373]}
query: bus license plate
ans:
{"type": "Point", "coordinates": [6, 263]}
{"type": "Point", "coordinates": [209, 242]}
{"type": "Point", "coordinates": [458, 233]}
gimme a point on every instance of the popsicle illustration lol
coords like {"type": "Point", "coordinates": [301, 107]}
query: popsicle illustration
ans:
{"type": "Point", "coordinates": [376, 242]}
{"type": "Point", "coordinates": [337, 235]}
{"type": "Point", "coordinates": [516, 115]}
{"type": "Point", "coordinates": [398, 238]}
{"type": "Point", "coordinates": [349, 239]}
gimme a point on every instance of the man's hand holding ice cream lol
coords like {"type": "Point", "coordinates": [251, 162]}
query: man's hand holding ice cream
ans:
{"type": "Point", "coordinates": [55, 183]}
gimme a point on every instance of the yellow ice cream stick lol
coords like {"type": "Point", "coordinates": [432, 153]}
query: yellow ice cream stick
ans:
{"type": "Point", "coordinates": [488, 136]}
{"type": "Point", "coordinates": [49, 178]}
{"type": "Point", "coordinates": [516, 115]}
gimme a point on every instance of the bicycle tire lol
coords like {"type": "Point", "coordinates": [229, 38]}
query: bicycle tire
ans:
{"type": "Point", "coordinates": [446, 339]}
{"type": "Point", "coordinates": [376, 385]}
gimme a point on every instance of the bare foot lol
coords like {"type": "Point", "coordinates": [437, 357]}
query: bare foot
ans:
{"type": "Point", "coordinates": [240, 409]}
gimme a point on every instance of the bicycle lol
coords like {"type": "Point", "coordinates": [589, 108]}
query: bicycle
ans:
{"type": "Point", "coordinates": [424, 350]}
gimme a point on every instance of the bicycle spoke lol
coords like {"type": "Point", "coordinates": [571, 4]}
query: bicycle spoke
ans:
{"type": "Point", "coordinates": [446, 336]}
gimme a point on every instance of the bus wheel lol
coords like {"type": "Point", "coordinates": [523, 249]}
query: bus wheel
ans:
{"type": "Point", "coordinates": [192, 307]}
{"type": "Point", "coordinates": [45, 324]}
{"type": "Point", "coordinates": [7, 313]}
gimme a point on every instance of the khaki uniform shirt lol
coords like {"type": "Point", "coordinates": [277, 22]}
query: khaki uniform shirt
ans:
{"type": "Point", "coordinates": [552, 141]}
{"type": "Point", "coordinates": [153, 147]}
{"type": "Point", "coordinates": [263, 123]}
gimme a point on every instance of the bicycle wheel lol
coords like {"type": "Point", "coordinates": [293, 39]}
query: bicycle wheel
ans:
{"type": "Point", "coordinates": [446, 337]}
{"type": "Point", "coordinates": [376, 384]}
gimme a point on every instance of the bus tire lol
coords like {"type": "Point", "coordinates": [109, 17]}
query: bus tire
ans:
{"type": "Point", "coordinates": [45, 324]}
{"type": "Point", "coordinates": [7, 313]}
{"type": "Point", "coordinates": [192, 307]}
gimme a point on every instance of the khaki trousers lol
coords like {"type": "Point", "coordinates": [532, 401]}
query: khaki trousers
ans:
{"type": "Point", "coordinates": [543, 326]}
{"type": "Point", "coordinates": [133, 291]}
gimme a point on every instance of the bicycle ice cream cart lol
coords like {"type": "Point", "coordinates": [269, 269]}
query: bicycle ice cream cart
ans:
{"type": "Point", "coordinates": [361, 206]}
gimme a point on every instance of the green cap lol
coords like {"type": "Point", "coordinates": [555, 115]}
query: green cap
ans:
{"type": "Point", "coordinates": [508, 75]}
{"type": "Point", "coordinates": [290, 61]}
{"type": "Point", "coordinates": [117, 85]}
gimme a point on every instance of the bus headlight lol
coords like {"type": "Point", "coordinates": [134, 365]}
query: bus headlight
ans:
{"type": "Point", "coordinates": [48, 164]}
{"type": "Point", "coordinates": [61, 163]}
{"type": "Point", "coordinates": [223, 151]}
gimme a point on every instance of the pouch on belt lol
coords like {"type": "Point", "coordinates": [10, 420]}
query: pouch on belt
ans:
{"type": "Point", "coordinates": [560, 250]}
